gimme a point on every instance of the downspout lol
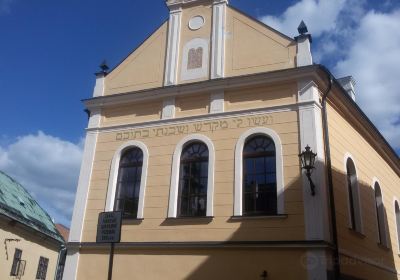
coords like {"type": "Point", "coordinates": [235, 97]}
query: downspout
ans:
{"type": "Point", "coordinates": [328, 161]}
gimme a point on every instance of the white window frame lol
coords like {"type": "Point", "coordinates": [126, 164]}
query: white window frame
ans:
{"type": "Point", "coordinates": [346, 158]}
{"type": "Point", "coordinates": [174, 188]}
{"type": "Point", "coordinates": [112, 181]}
{"type": "Point", "coordinates": [238, 205]}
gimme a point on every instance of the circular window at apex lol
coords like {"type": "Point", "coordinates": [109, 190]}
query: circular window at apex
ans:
{"type": "Point", "coordinates": [196, 22]}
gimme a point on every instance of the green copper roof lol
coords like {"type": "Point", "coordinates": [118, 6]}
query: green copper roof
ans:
{"type": "Point", "coordinates": [18, 204]}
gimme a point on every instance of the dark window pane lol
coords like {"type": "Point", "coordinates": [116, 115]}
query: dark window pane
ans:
{"type": "Point", "coordinates": [193, 179]}
{"type": "Point", "coordinates": [16, 260]}
{"type": "Point", "coordinates": [259, 180]}
{"type": "Point", "coordinates": [129, 178]}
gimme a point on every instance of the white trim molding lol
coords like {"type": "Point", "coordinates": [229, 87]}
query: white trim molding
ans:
{"type": "Point", "coordinates": [168, 111]}
{"type": "Point", "coordinates": [358, 207]}
{"type": "Point", "coordinates": [174, 189]}
{"type": "Point", "coordinates": [217, 100]}
{"type": "Point", "coordinates": [100, 84]}
{"type": "Point", "coordinates": [112, 181]}
{"type": "Point", "coordinates": [304, 55]}
{"type": "Point", "coordinates": [311, 133]}
{"type": "Point", "coordinates": [174, 35]}
{"type": "Point", "coordinates": [238, 199]}
{"type": "Point", "coordinates": [81, 198]}
{"type": "Point", "coordinates": [218, 39]}
{"type": "Point", "coordinates": [71, 264]}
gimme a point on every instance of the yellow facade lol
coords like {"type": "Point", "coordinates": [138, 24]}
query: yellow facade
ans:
{"type": "Point", "coordinates": [264, 88]}
{"type": "Point", "coordinates": [32, 246]}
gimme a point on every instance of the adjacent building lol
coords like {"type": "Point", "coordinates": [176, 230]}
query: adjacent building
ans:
{"type": "Point", "coordinates": [30, 243]}
{"type": "Point", "coordinates": [196, 138]}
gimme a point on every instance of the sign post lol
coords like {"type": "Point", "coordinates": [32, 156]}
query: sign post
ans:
{"type": "Point", "coordinates": [109, 231]}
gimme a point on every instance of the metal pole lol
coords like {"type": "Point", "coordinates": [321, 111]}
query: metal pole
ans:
{"type": "Point", "coordinates": [110, 264]}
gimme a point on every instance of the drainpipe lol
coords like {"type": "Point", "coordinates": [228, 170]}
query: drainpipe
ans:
{"type": "Point", "coordinates": [336, 265]}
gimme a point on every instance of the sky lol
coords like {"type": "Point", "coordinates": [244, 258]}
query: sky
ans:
{"type": "Point", "coordinates": [50, 50]}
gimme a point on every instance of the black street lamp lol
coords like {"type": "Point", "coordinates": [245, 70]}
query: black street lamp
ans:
{"type": "Point", "coordinates": [307, 158]}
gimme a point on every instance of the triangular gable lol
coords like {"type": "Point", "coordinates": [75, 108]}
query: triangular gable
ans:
{"type": "Point", "coordinates": [142, 69]}
{"type": "Point", "coordinates": [253, 47]}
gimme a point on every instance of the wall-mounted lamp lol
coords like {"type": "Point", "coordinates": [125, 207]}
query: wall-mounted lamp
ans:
{"type": "Point", "coordinates": [307, 158]}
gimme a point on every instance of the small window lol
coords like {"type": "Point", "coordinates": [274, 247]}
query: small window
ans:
{"type": "Point", "coordinates": [16, 262]}
{"type": "Point", "coordinates": [259, 177]}
{"type": "Point", "coordinates": [128, 184]}
{"type": "Point", "coordinates": [397, 212]}
{"type": "Point", "coordinates": [42, 268]}
{"type": "Point", "coordinates": [380, 216]}
{"type": "Point", "coordinates": [193, 180]}
{"type": "Point", "coordinates": [353, 192]}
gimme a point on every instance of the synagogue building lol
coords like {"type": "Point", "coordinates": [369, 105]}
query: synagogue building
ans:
{"type": "Point", "coordinates": [231, 155]}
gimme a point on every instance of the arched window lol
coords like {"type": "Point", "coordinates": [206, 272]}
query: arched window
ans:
{"type": "Point", "coordinates": [380, 216]}
{"type": "Point", "coordinates": [193, 180]}
{"type": "Point", "coordinates": [397, 213]}
{"type": "Point", "coordinates": [128, 182]}
{"type": "Point", "coordinates": [353, 192]}
{"type": "Point", "coordinates": [259, 176]}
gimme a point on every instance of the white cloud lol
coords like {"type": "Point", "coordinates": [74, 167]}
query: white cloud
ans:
{"type": "Point", "coordinates": [48, 168]}
{"type": "Point", "coordinates": [374, 60]}
{"type": "Point", "coordinates": [319, 15]}
{"type": "Point", "coordinates": [357, 42]}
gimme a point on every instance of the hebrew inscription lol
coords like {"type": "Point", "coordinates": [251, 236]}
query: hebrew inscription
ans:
{"type": "Point", "coordinates": [206, 126]}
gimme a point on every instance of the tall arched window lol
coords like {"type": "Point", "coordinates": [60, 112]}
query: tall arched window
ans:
{"type": "Point", "coordinates": [193, 179]}
{"type": "Point", "coordinates": [259, 176]}
{"type": "Point", "coordinates": [380, 216]}
{"type": "Point", "coordinates": [354, 201]}
{"type": "Point", "coordinates": [397, 213]}
{"type": "Point", "coordinates": [128, 182]}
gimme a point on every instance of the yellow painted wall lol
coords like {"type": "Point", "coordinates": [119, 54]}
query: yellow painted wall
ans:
{"type": "Point", "coordinates": [132, 113]}
{"type": "Point", "coordinates": [344, 138]}
{"type": "Point", "coordinates": [143, 69]}
{"type": "Point", "coordinates": [238, 264]}
{"type": "Point", "coordinates": [32, 249]}
{"type": "Point", "coordinates": [252, 47]}
{"type": "Point", "coordinates": [224, 133]}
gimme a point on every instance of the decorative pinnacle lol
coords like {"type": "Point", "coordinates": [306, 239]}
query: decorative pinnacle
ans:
{"type": "Point", "coordinates": [104, 67]}
{"type": "Point", "coordinates": [302, 28]}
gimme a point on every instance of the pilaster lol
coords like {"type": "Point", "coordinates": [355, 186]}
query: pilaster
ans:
{"type": "Point", "coordinates": [218, 38]}
{"type": "Point", "coordinates": [174, 34]}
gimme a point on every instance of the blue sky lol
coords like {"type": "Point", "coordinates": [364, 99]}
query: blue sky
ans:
{"type": "Point", "coordinates": [50, 49]}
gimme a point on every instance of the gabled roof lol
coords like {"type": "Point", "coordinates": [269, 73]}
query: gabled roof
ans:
{"type": "Point", "coordinates": [17, 204]}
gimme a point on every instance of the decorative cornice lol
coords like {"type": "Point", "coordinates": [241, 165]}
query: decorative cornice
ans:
{"type": "Point", "coordinates": [315, 244]}
{"type": "Point", "coordinates": [207, 86]}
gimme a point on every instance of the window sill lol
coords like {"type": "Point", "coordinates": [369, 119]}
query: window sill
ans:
{"type": "Point", "coordinates": [191, 218]}
{"type": "Point", "coordinates": [131, 221]}
{"type": "Point", "coordinates": [272, 217]}
{"type": "Point", "coordinates": [357, 233]}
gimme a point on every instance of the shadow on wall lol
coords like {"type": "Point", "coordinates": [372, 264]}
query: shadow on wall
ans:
{"type": "Point", "coordinates": [361, 257]}
{"type": "Point", "coordinates": [361, 253]}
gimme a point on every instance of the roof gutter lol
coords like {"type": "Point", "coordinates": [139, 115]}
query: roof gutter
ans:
{"type": "Point", "coordinates": [328, 164]}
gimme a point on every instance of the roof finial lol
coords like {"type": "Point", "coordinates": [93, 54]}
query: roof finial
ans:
{"type": "Point", "coordinates": [302, 28]}
{"type": "Point", "coordinates": [104, 67]}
